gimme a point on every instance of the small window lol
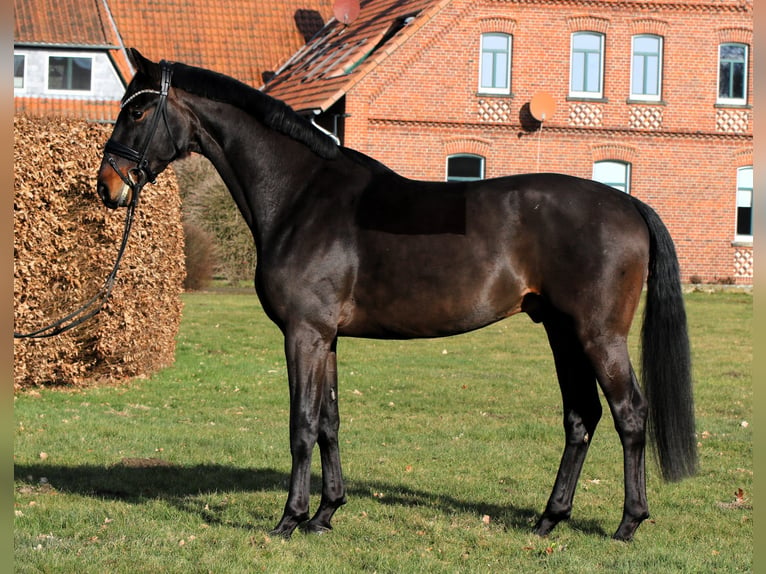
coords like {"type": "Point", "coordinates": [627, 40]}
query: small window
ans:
{"type": "Point", "coordinates": [18, 70]}
{"type": "Point", "coordinates": [495, 72]}
{"type": "Point", "coordinates": [71, 74]}
{"type": "Point", "coordinates": [613, 173]}
{"type": "Point", "coordinates": [646, 67]}
{"type": "Point", "coordinates": [745, 204]}
{"type": "Point", "coordinates": [732, 73]}
{"type": "Point", "coordinates": [587, 66]}
{"type": "Point", "coordinates": [465, 167]}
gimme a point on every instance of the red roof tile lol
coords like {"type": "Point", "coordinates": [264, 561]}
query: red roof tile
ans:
{"type": "Point", "coordinates": [320, 73]}
{"type": "Point", "coordinates": [63, 22]}
{"type": "Point", "coordinates": [90, 110]}
{"type": "Point", "coordinates": [240, 38]}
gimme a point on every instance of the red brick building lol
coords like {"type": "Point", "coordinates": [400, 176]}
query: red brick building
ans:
{"type": "Point", "coordinates": [652, 96]}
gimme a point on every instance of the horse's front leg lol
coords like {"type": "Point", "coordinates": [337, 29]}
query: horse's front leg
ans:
{"type": "Point", "coordinates": [307, 353]}
{"type": "Point", "coordinates": [333, 490]}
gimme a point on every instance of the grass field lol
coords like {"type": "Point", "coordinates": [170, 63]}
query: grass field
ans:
{"type": "Point", "coordinates": [449, 446]}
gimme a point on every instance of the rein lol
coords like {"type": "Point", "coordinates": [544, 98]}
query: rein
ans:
{"type": "Point", "coordinates": [135, 179]}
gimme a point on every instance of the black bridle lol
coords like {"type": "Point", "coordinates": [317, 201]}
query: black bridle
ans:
{"type": "Point", "coordinates": [135, 179]}
{"type": "Point", "coordinates": [140, 175]}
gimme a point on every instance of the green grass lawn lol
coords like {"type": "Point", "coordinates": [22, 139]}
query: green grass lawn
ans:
{"type": "Point", "coordinates": [449, 448]}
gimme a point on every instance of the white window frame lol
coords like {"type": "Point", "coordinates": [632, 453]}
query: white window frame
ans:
{"type": "Point", "coordinates": [509, 56]}
{"type": "Point", "coordinates": [592, 95]}
{"type": "Point", "coordinates": [646, 97]}
{"type": "Point", "coordinates": [624, 187]}
{"type": "Point", "coordinates": [733, 101]}
{"type": "Point", "coordinates": [742, 190]}
{"type": "Point", "coordinates": [72, 55]}
{"type": "Point", "coordinates": [23, 85]}
{"type": "Point", "coordinates": [482, 164]}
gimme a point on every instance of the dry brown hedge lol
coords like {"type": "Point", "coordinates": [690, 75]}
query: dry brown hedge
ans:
{"type": "Point", "coordinates": [65, 243]}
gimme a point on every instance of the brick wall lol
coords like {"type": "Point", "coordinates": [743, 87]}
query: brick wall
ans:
{"type": "Point", "coordinates": [423, 104]}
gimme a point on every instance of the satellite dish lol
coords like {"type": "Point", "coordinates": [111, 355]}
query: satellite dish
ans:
{"type": "Point", "coordinates": [542, 106]}
{"type": "Point", "coordinates": [346, 11]}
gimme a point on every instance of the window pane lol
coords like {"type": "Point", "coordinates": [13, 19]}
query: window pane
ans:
{"type": "Point", "coordinates": [745, 201]}
{"type": "Point", "coordinates": [587, 42]}
{"type": "Point", "coordinates": [638, 75]}
{"type": "Point", "coordinates": [69, 73]}
{"type": "Point", "coordinates": [81, 73]}
{"type": "Point", "coordinates": [738, 80]}
{"type": "Point", "coordinates": [494, 42]}
{"type": "Point", "coordinates": [734, 52]}
{"type": "Point", "coordinates": [652, 76]}
{"type": "Point", "coordinates": [501, 67]}
{"type": "Point", "coordinates": [578, 72]}
{"type": "Point", "coordinates": [744, 221]}
{"type": "Point", "coordinates": [592, 82]}
{"type": "Point", "coordinates": [57, 73]}
{"type": "Point", "coordinates": [646, 45]}
{"type": "Point", "coordinates": [612, 173]}
{"type": "Point", "coordinates": [18, 71]}
{"type": "Point", "coordinates": [464, 167]}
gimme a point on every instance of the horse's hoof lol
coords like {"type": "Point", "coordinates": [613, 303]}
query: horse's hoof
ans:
{"type": "Point", "coordinates": [318, 528]}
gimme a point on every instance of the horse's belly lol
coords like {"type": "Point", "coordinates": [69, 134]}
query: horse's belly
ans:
{"type": "Point", "coordinates": [431, 305]}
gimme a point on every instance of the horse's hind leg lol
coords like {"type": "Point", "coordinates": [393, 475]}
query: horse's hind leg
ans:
{"type": "Point", "coordinates": [609, 356]}
{"type": "Point", "coordinates": [333, 490]}
{"type": "Point", "coordinates": [582, 411]}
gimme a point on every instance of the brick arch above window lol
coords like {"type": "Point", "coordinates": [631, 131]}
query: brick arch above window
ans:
{"type": "Point", "coordinates": [743, 157]}
{"type": "Point", "coordinates": [504, 25]}
{"type": "Point", "coordinates": [613, 152]}
{"type": "Point", "coordinates": [735, 36]}
{"type": "Point", "coordinates": [472, 146]}
{"type": "Point", "coordinates": [649, 26]}
{"type": "Point", "coordinates": [589, 23]}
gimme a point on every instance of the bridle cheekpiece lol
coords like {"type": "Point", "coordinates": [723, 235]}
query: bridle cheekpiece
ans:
{"type": "Point", "coordinates": [138, 176]}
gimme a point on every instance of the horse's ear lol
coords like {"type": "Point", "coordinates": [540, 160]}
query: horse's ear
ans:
{"type": "Point", "coordinates": [141, 64]}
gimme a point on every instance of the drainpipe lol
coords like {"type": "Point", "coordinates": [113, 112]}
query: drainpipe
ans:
{"type": "Point", "coordinates": [314, 114]}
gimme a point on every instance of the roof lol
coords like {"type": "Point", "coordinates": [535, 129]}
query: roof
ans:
{"type": "Point", "coordinates": [90, 110]}
{"type": "Point", "coordinates": [245, 39]}
{"type": "Point", "coordinates": [340, 55]}
{"type": "Point", "coordinates": [239, 38]}
{"type": "Point", "coordinates": [86, 24]}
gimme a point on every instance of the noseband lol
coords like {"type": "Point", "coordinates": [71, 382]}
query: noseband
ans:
{"type": "Point", "coordinates": [138, 176]}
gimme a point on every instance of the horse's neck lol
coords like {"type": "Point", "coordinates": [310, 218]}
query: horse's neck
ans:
{"type": "Point", "coordinates": [248, 167]}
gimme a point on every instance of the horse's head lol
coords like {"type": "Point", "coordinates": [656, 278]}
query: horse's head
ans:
{"type": "Point", "coordinates": [150, 132]}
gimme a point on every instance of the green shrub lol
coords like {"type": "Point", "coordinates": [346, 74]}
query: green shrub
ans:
{"type": "Point", "coordinates": [207, 204]}
{"type": "Point", "coordinates": [200, 258]}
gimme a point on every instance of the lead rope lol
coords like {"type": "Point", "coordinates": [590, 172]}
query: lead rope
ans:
{"type": "Point", "coordinates": [95, 304]}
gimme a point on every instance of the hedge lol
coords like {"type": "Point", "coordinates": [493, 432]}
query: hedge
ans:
{"type": "Point", "coordinates": [65, 243]}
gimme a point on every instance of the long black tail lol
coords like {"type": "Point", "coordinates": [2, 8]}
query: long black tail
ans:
{"type": "Point", "coordinates": [666, 357]}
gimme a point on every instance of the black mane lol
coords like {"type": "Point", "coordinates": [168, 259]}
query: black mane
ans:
{"type": "Point", "coordinates": [270, 111]}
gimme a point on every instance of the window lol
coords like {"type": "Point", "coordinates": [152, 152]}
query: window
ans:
{"type": "Point", "coordinates": [495, 72]}
{"type": "Point", "coordinates": [745, 204]}
{"type": "Point", "coordinates": [18, 70]}
{"type": "Point", "coordinates": [732, 73]}
{"type": "Point", "coordinates": [646, 68]}
{"type": "Point", "coordinates": [613, 173]}
{"type": "Point", "coordinates": [587, 65]}
{"type": "Point", "coordinates": [67, 73]}
{"type": "Point", "coordinates": [464, 167]}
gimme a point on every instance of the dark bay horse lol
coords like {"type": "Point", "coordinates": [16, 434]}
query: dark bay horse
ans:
{"type": "Point", "coordinates": [347, 247]}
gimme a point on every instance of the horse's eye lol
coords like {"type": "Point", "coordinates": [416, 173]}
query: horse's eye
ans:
{"type": "Point", "coordinates": [137, 114]}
